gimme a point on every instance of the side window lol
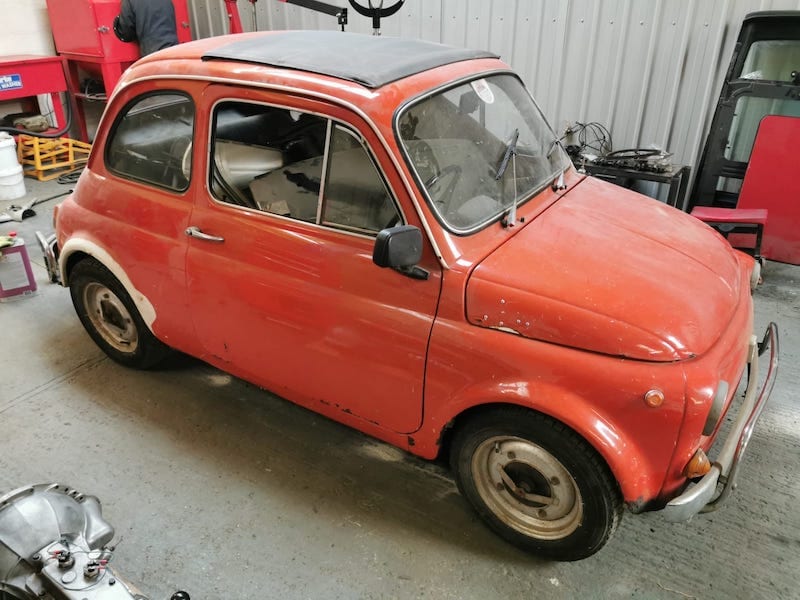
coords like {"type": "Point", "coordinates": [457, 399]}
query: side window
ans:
{"type": "Point", "coordinates": [268, 158]}
{"type": "Point", "coordinates": [273, 160]}
{"type": "Point", "coordinates": [772, 60]}
{"type": "Point", "coordinates": [355, 196]}
{"type": "Point", "coordinates": [152, 141]}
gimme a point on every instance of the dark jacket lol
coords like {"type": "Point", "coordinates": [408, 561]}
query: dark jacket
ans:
{"type": "Point", "coordinates": [150, 22]}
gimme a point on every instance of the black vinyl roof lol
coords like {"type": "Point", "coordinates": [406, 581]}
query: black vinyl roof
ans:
{"type": "Point", "coordinates": [372, 61]}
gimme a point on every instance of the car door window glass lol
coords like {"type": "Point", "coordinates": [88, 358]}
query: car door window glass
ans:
{"type": "Point", "coordinates": [268, 158]}
{"type": "Point", "coordinates": [152, 141]}
{"type": "Point", "coordinates": [766, 61]}
{"type": "Point", "coordinates": [274, 160]}
{"type": "Point", "coordinates": [744, 126]}
{"type": "Point", "coordinates": [772, 60]}
{"type": "Point", "coordinates": [355, 196]}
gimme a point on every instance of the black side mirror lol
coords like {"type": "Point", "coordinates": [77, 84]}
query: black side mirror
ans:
{"type": "Point", "coordinates": [399, 246]}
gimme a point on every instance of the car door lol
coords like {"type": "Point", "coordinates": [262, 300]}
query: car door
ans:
{"type": "Point", "coordinates": [763, 79]}
{"type": "Point", "coordinates": [282, 287]}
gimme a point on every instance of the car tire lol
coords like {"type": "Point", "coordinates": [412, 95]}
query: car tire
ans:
{"type": "Point", "coordinates": [110, 317]}
{"type": "Point", "coordinates": [536, 483]}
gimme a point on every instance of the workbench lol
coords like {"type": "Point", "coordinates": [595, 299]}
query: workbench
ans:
{"type": "Point", "coordinates": [677, 180]}
{"type": "Point", "coordinates": [24, 76]}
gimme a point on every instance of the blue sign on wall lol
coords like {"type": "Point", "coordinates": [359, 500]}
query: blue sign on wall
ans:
{"type": "Point", "coordinates": [10, 82]}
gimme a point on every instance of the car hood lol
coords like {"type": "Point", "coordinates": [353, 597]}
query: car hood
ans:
{"type": "Point", "coordinates": [607, 270]}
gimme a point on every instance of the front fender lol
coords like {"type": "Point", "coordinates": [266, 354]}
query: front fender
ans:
{"type": "Point", "coordinates": [600, 397]}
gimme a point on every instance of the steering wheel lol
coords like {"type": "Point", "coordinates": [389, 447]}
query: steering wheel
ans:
{"type": "Point", "coordinates": [453, 172]}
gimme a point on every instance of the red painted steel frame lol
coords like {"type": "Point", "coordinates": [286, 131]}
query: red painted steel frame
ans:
{"type": "Point", "coordinates": [234, 19]}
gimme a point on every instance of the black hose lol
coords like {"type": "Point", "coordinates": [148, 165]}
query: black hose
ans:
{"type": "Point", "coordinates": [56, 134]}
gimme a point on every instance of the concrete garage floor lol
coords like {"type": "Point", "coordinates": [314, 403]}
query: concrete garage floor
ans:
{"type": "Point", "coordinates": [227, 491]}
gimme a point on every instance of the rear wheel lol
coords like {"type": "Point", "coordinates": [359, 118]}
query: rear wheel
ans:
{"type": "Point", "coordinates": [536, 483]}
{"type": "Point", "coordinates": [110, 317]}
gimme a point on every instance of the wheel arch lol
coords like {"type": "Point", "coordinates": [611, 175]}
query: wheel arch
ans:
{"type": "Point", "coordinates": [477, 411]}
{"type": "Point", "coordinates": [77, 249]}
{"type": "Point", "coordinates": [613, 448]}
{"type": "Point", "coordinates": [533, 481]}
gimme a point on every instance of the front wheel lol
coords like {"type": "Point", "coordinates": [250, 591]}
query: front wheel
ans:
{"type": "Point", "coordinates": [536, 483]}
{"type": "Point", "coordinates": [110, 317]}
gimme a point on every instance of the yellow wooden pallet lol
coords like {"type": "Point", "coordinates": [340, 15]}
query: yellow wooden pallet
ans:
{"type": "Point", "coordinates": [46, 159]}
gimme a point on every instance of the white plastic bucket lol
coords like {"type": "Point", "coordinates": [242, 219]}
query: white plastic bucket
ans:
{"type": "Point", "coordinates": [12, 183]}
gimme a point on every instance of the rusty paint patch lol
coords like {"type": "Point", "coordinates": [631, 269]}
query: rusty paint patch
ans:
{"type": "Point", "coordinates": [637, 506]}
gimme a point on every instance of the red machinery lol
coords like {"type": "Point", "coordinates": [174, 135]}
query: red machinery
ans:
{"type": "Point", "coordinates": [234, 20]}
{"type": "Point", "coordinates": [84, 35]}
{"type": "Point", "coordinates": [25, 76]}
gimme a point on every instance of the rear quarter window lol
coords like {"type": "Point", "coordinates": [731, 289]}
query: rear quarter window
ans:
{"type": "Point", "coordinates": [151, 141]}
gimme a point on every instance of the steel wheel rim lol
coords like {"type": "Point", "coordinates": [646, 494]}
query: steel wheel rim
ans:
{"type": "Point", "coordinates": [527, 488]}
{"type": "Point", "coordinates": [110, 318]}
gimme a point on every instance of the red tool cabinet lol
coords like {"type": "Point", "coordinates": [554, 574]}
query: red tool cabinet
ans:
{"type": "Point", "coordinates": [84, 35]}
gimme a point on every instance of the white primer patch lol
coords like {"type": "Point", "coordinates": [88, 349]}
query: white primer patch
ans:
{"type": "Point", "coordinates": [77, 244]}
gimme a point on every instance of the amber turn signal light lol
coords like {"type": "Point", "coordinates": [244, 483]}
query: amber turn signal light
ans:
{"type": "Point", "coordinates": [698, 466]}
{"type": "Point", "coordinates": [654, 398]}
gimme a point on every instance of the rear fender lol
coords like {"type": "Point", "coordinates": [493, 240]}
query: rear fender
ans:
{"type": "Point", "coordinates": [84, 245]}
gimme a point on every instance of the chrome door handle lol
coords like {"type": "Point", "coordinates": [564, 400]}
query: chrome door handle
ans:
{"type": "Point", "coordinates": [196, 233]}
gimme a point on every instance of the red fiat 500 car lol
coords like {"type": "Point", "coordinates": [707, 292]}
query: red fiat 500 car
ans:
{"type": "Point", "coordinates": [387, 232]}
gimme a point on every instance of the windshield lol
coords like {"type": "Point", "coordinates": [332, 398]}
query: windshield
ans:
{"type": "Point", "coordinates": [478, 148]}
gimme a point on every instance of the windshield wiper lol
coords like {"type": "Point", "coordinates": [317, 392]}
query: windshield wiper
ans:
{"type": "Point", "coordinates": [510, 154]}
{"type": "Point", "coordinates": [558, 182]}
{"type": "Point", "coordinates": [556, 142]}
{"type": "Point", "coordinates": [511, 149]}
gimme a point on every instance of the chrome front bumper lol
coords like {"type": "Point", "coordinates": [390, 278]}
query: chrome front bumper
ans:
{"type": "Point", "coordinates": [707, 494]}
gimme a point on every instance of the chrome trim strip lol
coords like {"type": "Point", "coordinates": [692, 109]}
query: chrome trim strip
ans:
{"type": "Point", "coordinates": [700, 497]}
{"type": "Point", "coordinates": [326, 153]}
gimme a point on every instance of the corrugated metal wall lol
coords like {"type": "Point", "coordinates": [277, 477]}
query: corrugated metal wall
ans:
{"type": "Point", "coordinates": [649, 70]}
